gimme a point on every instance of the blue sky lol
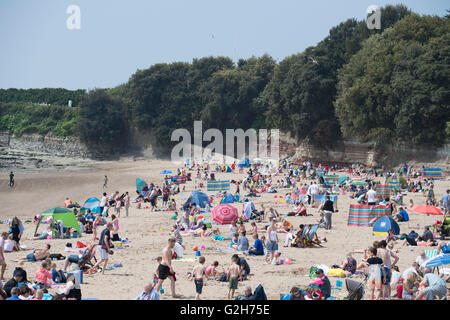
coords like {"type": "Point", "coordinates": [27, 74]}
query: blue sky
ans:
{"type": "Point", "coordinates": [117, 37]}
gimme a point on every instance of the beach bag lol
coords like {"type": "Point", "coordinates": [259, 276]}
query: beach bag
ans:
{"type": "Point", "coordinates": [60, 277]}
{"type": "Point", "coordinates": [312, 272]}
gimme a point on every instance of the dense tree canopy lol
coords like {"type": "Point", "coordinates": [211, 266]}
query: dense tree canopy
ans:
{"type": "Point", "coordinates": [103, 125]}
{"type": "Point", "coordinates": [397, 87]}
{"type": "Point", "coordinates": [57, 96]}
{"type": "Point", "coordinates": [384, 86]}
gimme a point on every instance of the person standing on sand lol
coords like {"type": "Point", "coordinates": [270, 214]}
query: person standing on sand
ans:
{"type": "Point", "coordinates": [11, 179]}
{"type": "Point", "coordinates": [105, 183]}
{"type": "Point", "coordinates": [126, 202]}
{"type": "Point", "coordinates": [165, 269]}
{"type": "Point", "coordinates": [232, 277]}
{"type": "Point", "coordinates": [272, 240]}
{"type": "Point", "coordinates": [105, 246]}
{"type": "Point", "coordinates": [3, 237]}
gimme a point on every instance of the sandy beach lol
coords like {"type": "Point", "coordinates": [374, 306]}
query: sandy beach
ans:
{"type": "Point", "coordinates": [36, 191]}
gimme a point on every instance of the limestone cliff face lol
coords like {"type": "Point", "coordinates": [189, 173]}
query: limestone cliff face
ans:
{"type": "Point", "coordinates": [34, 150]}
{"type": "Point", "coordinates": [67, 146]}
{"type": "Point", "coordinates": [388, 156]}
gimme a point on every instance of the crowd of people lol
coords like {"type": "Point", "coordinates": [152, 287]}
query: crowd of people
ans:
{"type": "Point", "coordinates": [304, 191]}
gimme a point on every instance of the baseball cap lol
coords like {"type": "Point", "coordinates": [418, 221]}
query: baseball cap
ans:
{"type": "Point", "coordinates": [319, 271]}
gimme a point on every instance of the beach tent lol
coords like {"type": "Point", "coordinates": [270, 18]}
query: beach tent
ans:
{"type": "Point", "coordinates": [383, 225]}
{"type": "Point", "coordinates": [197, 197]}
{"type": "Point", "coordinates": [92, 203]}
{"type": "Point", "coordinates": [228, 169]}
{"type": "Point", "coordinates": [224, 214]}
{"type": "Point", "coordinates": [228, 198]}
{"type": "Point", "coordinates": [65, 215]}
{"type": "Point", "coordinates": [166, 172]}
{"type": "Point", "coordinates": [140, 184]}
{"type": "Point", "coordinates": [244, 163]}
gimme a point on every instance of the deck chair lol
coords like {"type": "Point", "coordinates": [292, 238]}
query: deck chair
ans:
{"type": "Point", "coordinates": [311, 232]}
{"type": "Point", "coordinates": [86, 259]}
{"type": "Point", "coordinates": [431, 253]}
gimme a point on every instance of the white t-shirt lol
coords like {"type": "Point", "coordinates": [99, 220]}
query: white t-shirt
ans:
{"type": "Point", "coordinates": [371, 196]}
{"type": "Point", "coordinates": [314, 189]}
{"type": "Point", "coordinates": [9, 246]}
{"type": "Point", "coordinates": [2, 243]}
{"type": "Point", "coordinates": [103, 202]}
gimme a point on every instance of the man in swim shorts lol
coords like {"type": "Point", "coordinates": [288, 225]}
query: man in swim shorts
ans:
{"type": "Point", "coordinates": [165, 269]}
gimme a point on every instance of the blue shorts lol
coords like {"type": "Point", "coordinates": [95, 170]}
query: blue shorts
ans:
{"type": "Point", "coordinates": [31, 257]}
{"type": "Point", "coordinates": [198, 286]}
{"type": "Point", "coordinates": [273, 247]}
{"type": "Point", "coordinates": [73, 258]}
{"type": "Point", "coordinates": [387, 280]}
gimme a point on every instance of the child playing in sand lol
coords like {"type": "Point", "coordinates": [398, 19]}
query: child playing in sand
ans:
{"type": "Point", "coordinates": [211, 270]}
{"type": "Point", "coordinates": [232, 278]}
{"type": "Point", "coordinates": [198, 273]}
{"type": "Point", "coordinates": [234, 241]}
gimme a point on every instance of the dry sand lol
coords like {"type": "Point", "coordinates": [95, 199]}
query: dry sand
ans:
{"type": "Point", "coordinates": [37, 191]}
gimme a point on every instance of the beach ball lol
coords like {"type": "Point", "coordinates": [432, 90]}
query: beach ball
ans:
{"type": "Point", "coordinates": [202, 247]}
{"type": "Point", "coordinates": [281, 201]}
{"type": "Point", "coordinates": [276, 202]}
{"type": "Point", "coordinates": [195, 248]}
{"type": "Point", "coordinates": [287, 261]}
{"type": "Point", "coordinates": [275, 197]}
{"type": "Point", "coordinates": [281, 196]}
{"type": "Point", "coordinates": [160, 229]}
{"type": "Point", "coordinates": [276, 254]}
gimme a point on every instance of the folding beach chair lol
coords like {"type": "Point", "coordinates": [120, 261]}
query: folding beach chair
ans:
{"type": "Point", "coordinates": [311, 232]}
{"type": "Point", "coordinates": [431, 253]}
{"type": "Point", "coordinates": [86, 260]}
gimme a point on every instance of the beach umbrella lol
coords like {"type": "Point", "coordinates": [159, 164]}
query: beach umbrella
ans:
{"type": "Point", "coordinates": [425, 209]}
{"type": "Point", "coordinates": [166, 172]}
{"type": "Point", "coordinates": [437, 261]}
{"type": "Point", "coordinates": [224, 214]}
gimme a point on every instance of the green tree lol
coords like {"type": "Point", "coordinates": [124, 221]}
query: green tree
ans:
{"type": "Point", "coordinates": [103, 126]}
{"type": "Point", "coordinates": [397, 87]}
